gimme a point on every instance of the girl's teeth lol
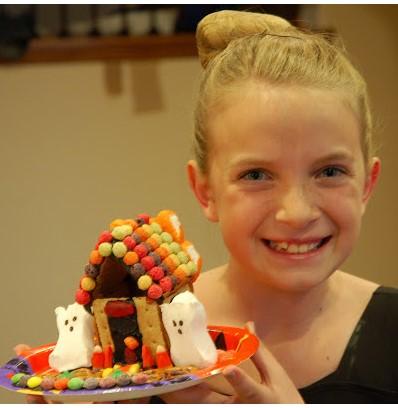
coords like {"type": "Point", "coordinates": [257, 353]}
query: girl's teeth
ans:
{"type": "Point", "coordinates": [293, 248]}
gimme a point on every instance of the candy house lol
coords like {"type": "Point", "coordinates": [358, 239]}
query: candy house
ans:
{"type": "Point", "coordinates": [135, 269]}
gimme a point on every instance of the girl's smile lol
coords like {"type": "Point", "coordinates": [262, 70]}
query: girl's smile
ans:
{"type": "Point", "coordinates": [286, 181]}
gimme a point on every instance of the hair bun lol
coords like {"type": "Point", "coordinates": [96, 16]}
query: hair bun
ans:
{"type": "Point", "coordinates": [216, 30]}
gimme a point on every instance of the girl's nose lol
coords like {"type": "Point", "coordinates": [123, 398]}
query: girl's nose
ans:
{"type": "Point", "coordinates": [297, 209]}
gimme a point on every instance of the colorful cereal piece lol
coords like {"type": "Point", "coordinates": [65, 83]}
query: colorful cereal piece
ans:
{"type": "Point", "coordinates": [95, 257]}
{"type": "Point", "coordinates": [148, 229]}
{"type": "Point", "coordinates": [141, 250]}
{"type": "Point", "coordinates": [144, 217]}
{"type": "Point", "coordinates": [148, 262]}
{"type": "Point", "coordinates": [144, 282]}
{"type": "Point", "coordinates": [140, 378]}
{"type": "Point", "coordinates": [156, 228]}
{"type": "Point", "coordinates": [91, 270]}
{"type": "Point", "coordinates": [119, 249]}
{"type": "Point", "coordinates": [166, 237]}
{"type": "Point", "coordinates": [162, 251]}
{"type": "Point", "coordinates": [156, 273]}
{"type": "Point", "coordinates": [155, 291]}
{"type": "Point", "coordinates": [82, 297]}
{"type": "Point", "coordinates": [166, 284]}
{"type": "Point", "coordinates": [107, 372]}
{"type": "Point", "coordinates": [169, 222]}
{"type": "Point", "coordinates": [116, 223]}
{"type": "Point", "coordinates": [130, 258]}
{"type": "Point", "coordinates": [87, 283]}
{"type": "Point", "coordinates": [183, 257]}
{"type": "Point", "coordinates": [157, 259]}
{"type": "Point", "coordinates": [136, 271]}
{"type": "Point", "coordinates": [129, 242]}
{"type": "Point", "coordinates": [175, 247]}
{"type": "Point", "coordinates": [105, 249]}
{"type": "Point", "coordinates": [105, 236]}
{"type": "Point", "coordinates": [122, 231]}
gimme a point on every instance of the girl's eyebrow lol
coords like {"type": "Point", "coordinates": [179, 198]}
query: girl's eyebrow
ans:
{"type": "Point", "coordinates": [339, 156]}
{"type": "Point", "coordinates": [257, 161]}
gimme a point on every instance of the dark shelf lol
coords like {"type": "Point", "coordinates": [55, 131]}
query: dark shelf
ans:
{"type": "Point", "coordinates": [107, 48]}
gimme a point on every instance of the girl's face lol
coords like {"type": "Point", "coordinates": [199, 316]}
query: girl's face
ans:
{"type": "Point", "coordinates": [286, 182]}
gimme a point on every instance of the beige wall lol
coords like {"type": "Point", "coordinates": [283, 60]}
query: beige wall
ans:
{"type": "Point", "coordinates": [83, 143]}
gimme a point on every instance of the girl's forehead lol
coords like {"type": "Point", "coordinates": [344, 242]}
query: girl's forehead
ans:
{"type": "Point", "coordinates": [283, 117]}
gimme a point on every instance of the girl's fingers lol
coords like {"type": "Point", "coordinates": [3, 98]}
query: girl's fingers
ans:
{"type": "Point", "coordinates": [20, 348]}
{"type": "Point", "coordinates": [247, 390]}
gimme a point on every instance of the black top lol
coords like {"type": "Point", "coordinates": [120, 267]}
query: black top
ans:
{"type": "Point", "coordinates": [368, 370]}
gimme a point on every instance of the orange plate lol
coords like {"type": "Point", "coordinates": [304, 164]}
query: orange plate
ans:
{"type": "Point", "coordinates": [240, 346]}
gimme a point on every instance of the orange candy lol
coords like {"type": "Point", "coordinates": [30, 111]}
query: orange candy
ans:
{"type": "Point", "coordinates": [162, 252]}
{"type": "Point", "coordinates": [180, 274]}
{"type": "Point", "coordinates": [130, 258]}
{"type": "Point", "coordinates": [131, 342]}
{"type": "Point", "coordinates": [170, 223]}
{"type": "Point", "coordinates": [170, 263]}
{"type": "Point", "coordinates": [142, 233]}
{"type": "Point", "coordinates": [95, 257]}
{"type": "Point", "coordinates": [61, 384]}
{"type": "Point", "coordinates": [131, 222]}
{"type": "Point", "coordinates": [116, 223]}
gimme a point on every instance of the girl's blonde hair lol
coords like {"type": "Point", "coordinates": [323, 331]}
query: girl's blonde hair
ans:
{"type": "Point", "coordinates": [236, 46]}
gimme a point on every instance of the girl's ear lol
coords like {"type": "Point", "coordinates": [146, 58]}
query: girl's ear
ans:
{"type": "Point", "coordinates": [199, 184]}
{"type": "Point", "coordinates": [371, 181]}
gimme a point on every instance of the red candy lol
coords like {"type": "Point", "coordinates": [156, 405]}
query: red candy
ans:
{"type": "Point", "coordinates": [82, 297]}
{"type": "Point", "coordinates": [119, 308]}
{"type": "Point", "coordinates": [148, 262]}
{"type": "Point", "coordinates": [156, 273]}
{"type": "Point", "coordinates": [166, 284]}
{"type": "Point", "coordinates": [155, 291]}
{"type": "Point", "coordinates": [105, 236]}
{"type": "Point", "coordinates": [130, 243]}
{"type": "Point", "coordinates": [141, 250]}
{"type": "Point", "coordinates": [144, 217]}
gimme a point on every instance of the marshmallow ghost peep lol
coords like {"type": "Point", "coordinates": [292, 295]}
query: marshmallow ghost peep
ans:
{"type": "Point", "coordinates": [75, 345]}
{"type": "Point", "coordinates": [185, 321]}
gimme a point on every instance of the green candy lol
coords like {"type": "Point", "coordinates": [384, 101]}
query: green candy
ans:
{"type": "Point", "coordinates": [119, 249]}
{"type": "Point", "coordinates": [64, 374]}
{"type": "Point", "coordinates": [75, 383]}
{"type": "Point", "coordinates": [16, 377]}
{"type": "Point", "coordinates": [176, 248]}
{"type": "Point", "coordinates": [156, 228]}
{"type": "Point", "coordinates": [166, 237]}
{"type": "Point", "coordinates": [191, 267]}
{"type": "Point", "coordinates": [117, 373]}
{"type": "Point", "coordinates": [183, 257]}
{"type": "Point", "coordinates": [105, 249]}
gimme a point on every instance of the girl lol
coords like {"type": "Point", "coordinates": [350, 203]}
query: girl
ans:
{"type": "Point", "coordinates": [284, 164]}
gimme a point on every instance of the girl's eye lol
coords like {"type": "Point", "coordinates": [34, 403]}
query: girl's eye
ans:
{"type": "Point", "coordinates": [255, 175]}
{"type": "Point", "coordinates": [332, 171]}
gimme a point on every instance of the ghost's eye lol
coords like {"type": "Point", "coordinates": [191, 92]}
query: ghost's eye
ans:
{"type": "Point", "coordinates": [66, 322]}
{"type": "Point", "coordinates": [74, 318]}
{"type": "Point", "coordinates": [180, 322]}
{"type": "Point", "coordinates": [174, 323]}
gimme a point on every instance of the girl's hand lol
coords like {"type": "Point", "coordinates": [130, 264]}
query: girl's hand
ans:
{"type": "Point", "coordinates": [275, 387]}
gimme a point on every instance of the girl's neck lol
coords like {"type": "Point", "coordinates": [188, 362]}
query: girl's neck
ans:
{"type": "Point", "coordinates": [280, 311]}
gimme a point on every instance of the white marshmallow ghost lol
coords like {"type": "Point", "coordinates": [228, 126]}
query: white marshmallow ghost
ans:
{"type": "Point", "coordinates": [185, 321]}
{"type": "Point", "coordinates": [75, 343]}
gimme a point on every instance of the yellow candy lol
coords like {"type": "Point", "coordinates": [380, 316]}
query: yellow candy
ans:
{"type": "Point", "coordinates": [144, 282]}
{"type": "Point", "coordinates": [87, 283]}
{"type": "Point", "coordinates": [119, 249]}
{"type": "Point", "coordinates": [34, 382]}
{"type": "Point", "coordinates": [116, 366]}
{"type": "Point", "coordinates": [105, 249]}
{"type": "Point", "coordinates": [134, 368]}
{"type": "Point", "coordinates": [107, 372]}
{"type": "Point", "coordinates": [122, 231]}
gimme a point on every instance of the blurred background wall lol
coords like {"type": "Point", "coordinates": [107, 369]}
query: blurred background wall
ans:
{"type": "Point", "coordinates": [83, 143]}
